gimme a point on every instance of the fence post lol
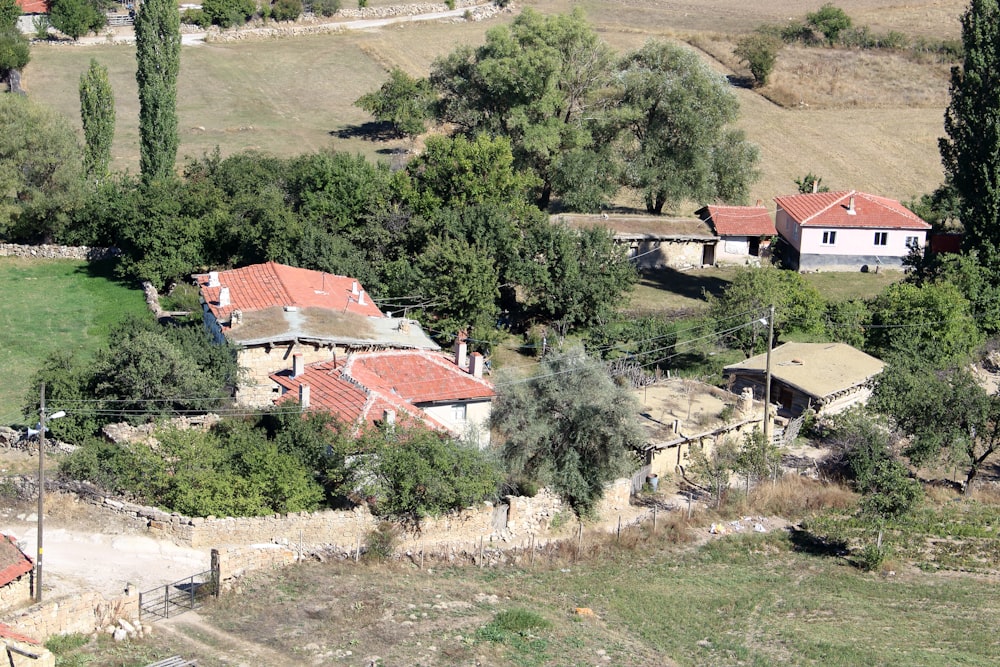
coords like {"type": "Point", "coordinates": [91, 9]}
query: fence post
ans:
{"type": "Point", "coordinates": [480, 552]}
{"type": "Point", "coordinates": [579, 541]}
{"type": "Point", "coordinates": [191, 590]}
{"type": "Point", "coordinates": [531, 560]}
{"type": "Point", "coordinates": [654, 519]}
{"type": "Point", "coordinates": [619, 538]}
{"type": "Point", "coordinates": [216, 572]}
{"type": "Point", "coordinates": [166, 601]}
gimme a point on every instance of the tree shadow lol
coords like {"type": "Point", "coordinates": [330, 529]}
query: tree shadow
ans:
{"type": "Point", "coordinates": [683, 284]}
{"type": "Point", "coordinates": [105, 269]}
{"type": "Point", "coordinates": [805, 542]}
{"type": "Point", "coordinates": [738, 81]}
{"type": "Point", "coordinates": [370, 131]}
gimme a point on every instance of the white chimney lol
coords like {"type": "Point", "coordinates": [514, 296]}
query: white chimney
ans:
{"type": "Point", "coordinates": [361, 298]}
{"type": "Point", "coordinates": [389, 417]}
{"type": "Point", "coordinates": [354, 288]}
{"type": "Point", "coordinates": [223, 297]}
{"type": "Point", "coordinates": [461, 350]}
{"type": "Point", "coordinates": [235, 318]}
{"type": "Point", "coordinates": [850, 207]}
{"type": "Point", "coordinates": [297, 365]}
{"type": "Point", "coordinates": [815, 187]}
{"type": "Point", "coordinates": [213, 278]}
{"type": "Point", "coordinates": [304, 396]}
{"type": "Point", "coordinates": [476, 363]}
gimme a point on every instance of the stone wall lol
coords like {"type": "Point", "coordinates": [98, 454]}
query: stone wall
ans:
{"type": "Point", "coordinates": [85, 612]}
{"type": "Point", "coordinates": [56, 251]}
{"type": "Point", "coordinates": [235, 562]}
{"type": "Point", "coordinates": [17, 593]}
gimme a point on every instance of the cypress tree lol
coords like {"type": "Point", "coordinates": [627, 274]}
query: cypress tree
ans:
{"type": "Point", "coordinates": [158, 55]}
{"type": "Point", "coordinates": [97, 111]}
{"type": "Point", "coordinates": [971, 152]}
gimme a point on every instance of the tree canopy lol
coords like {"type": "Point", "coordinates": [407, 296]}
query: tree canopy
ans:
{"type": "Point", "coordinates": [569, 427]}
{"type": "Point", "coordinates": [971, 151]}
{"type": "Point", "coordinates": [97, 111]}
{"type": "Point", "coordinates": [75, 18]}
{"type": "Point", "coordinates": [158, 59]}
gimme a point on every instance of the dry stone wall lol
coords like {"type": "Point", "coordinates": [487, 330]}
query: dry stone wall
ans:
{"type": "Point", "coordinates": [56, 251]}
{"type": "Point", "coordinates": [85, 613]}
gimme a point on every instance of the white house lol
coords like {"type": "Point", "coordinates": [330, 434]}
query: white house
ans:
{"type": "Point", "coordinates": [847, 231]}
{"type": "Point", "coordinates": [743, 231]}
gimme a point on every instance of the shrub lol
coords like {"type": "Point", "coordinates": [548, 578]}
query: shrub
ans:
{"type": "Point", "coordinates": [286, 10]}
{"type": "Point", "coordinates": [325, 7]}
{"type": "Point", "coordinates": [796, 31]}
{"type": "Point", "coordinates": [450, 4]}
{"type": "Point", "coordinates": [512, 623]}
{"type": "Point", "coordinates": [362, 4]}
{"type": "Point", "coordinates": [830, 20]}
{"type": "Point", "coordinates": [381, 542]}
{"type": "Point", "coordinates": [871, 557]}
{"type": "Point", "coordinates": [196, 17]}
{"type": "Point", "coordinates": [229, 13]}
{"type": "Point", "coordinates": [759, 52]}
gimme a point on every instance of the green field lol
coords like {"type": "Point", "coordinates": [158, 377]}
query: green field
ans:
{"type": "Point", "coordinates": [51, 305]}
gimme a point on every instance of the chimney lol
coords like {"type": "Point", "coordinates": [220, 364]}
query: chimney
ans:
{"type": "Point", "coordinates": [213, 278]}
{"type": "Point", "coordinates": [760, 202]}
{"type": "Point", "coordinates": [304, 396]}
{"type": "Point", "coordinates": [235, 318]}
{"type": "Point", "coordinates": [404, 326]}
{"type": "Point", "coordinates": [389, 417]}
{"type": "Point", "coordinates": [354, 288]}
{"type": "Point", "coordinates": [461, 350]}
{"type": "Point", "coordinates": [476, 365]}
{"type": "Point", "coordinates": [850, 207]}
{"type": "Point", "coordinates": [815, 187]}
{"type": "Point", "coordinates": [297, 365]}
{"type": "Point", "coordinates": [224, 297]}
{"type": "Point", "coordinates": [361, 297]}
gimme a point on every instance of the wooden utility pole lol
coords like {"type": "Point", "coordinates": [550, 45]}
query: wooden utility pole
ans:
{"type": "Point", "coordinates": [41, 493]}
{"type": "Point", "coordinates": [767, 376]}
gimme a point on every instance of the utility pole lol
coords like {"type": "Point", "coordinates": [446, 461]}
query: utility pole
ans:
{"type": "Point", "coordinates": [41, 493]}
{"type": "Point", "coordinates": [767, 376]}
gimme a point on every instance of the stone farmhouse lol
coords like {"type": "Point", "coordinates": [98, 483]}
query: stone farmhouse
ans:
{"type": "Point", "coordinates": [847, 231]}
{"type": "Point", "coordinates": [15, 575]}
{"type": "Point", "coordinates": [827, 377]}
{"type": "Point", "coordinates": [386, 386]}
{"type": "Point", "coordinates": [273, 312]}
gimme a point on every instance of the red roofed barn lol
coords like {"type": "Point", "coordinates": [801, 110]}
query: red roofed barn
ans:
{"type": "Point", "coordinates": [848, 231]}
{"type": "Point", "coordinates": [30, 9]}
{"type": "Point", "coordinates": [384, 386]}
{"type": "Point", "coordinates": [743, 231]}
{"type": "Point", "coordinates": [272, 312]}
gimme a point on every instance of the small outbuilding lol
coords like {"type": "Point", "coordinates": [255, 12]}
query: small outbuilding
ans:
{"type": "Point", "coordinates": [15, 575]}
{"type": "Point", "coordinates": [827, 377]}
{"type": "Point", "coordinates": [745, 232]}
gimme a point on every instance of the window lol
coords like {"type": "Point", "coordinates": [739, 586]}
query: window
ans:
{"type": "Point", "coordinates": [458, 412]}
{"type": "Point", "coordinates": [881, 238]}
{"type": "Point", "coordinates": [912, 242]}
{"type": "Point", "coordinates": [829, 238]}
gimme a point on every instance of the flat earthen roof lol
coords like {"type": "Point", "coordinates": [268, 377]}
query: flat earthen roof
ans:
{"type": "Point", "coordinates": [640, 227]}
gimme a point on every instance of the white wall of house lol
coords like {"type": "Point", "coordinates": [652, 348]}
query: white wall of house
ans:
{"type": "Point", "coordinates": [862, 242]}
{"type": "Point", "coordinates": [461, 416]}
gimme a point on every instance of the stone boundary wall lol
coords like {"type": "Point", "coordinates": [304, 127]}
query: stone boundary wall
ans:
{"type": "Point", "coordinates": [86, 612]}
{"type": "Point", "coordinates": [308, 24]}
{"type": "Point", "coordinates": [235, 562]}
{"type": "Point", "coordinates": [45, 251]}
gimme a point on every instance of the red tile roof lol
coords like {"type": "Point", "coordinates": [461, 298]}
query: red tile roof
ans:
{"type": "Point", "coordinates": [831, 209]}
{"type": "Point", "coordinates": [741, 220]}
{"type": "Point", "coordinates": [8, 632]}
{"type": "Point", "coordinates": [263, 286]}
{"type": "Point", "coordinates": [13, 562]}
{"type": "Point", "coordinates": [33, 6]}
{"type": "Point", "coordinates": [367, 384]}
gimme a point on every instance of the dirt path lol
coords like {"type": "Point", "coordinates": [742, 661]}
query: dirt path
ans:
{"type": "Point", "coordinates": [190, 629]}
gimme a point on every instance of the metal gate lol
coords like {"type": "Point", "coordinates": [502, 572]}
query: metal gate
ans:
{"type": "Point", "coordinates": [179, 596]}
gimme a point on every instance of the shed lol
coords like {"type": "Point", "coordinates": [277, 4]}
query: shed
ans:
{"type": "Point", "coordinates": [827, 377]}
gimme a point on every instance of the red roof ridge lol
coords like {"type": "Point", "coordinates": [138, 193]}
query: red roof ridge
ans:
{"type": "Point", "coordinates": [8, 632]}
{"type": "Point", "coordinates": [839, 195]}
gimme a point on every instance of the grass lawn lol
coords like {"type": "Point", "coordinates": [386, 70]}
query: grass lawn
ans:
{"type": "Point", "coordinates": [53, 305]}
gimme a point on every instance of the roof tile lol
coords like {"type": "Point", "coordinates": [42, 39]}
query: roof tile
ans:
{"type": "Point", "coordinates": [832, 209]}
{"type": "Point", "coordinates": [741, 220]}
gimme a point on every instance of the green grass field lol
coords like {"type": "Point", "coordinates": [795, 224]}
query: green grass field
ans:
{"type": "Point", "coordinates": [51, 305]}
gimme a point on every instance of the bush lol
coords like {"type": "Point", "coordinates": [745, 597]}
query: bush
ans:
{"type": "Point", "coordinates": [286, 10]}
{"type": "Point", "coordinates": [759, 52]}
{"type": "Point", "coordinates": [871, 557]}
{"type": "Point", "coordinates": [325, 7]}
{"type": "Point", "coordinates": [381, 542]}
{"type": "Point", "coordinates": [229, 13]}
{"type": "Point", "coordinates": [196, 17]}
{"type": "Point", "coordinates": [512, 623]}
{"type": "Point", "coordinates": [796, 31]}
{"type": "Point", "coordinates": [830, 20]}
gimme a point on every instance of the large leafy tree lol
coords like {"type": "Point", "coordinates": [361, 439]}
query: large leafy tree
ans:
{"type": "Point", "coordinates": [536, 82]}
{"type": "Point", "coordinates": [678, 144]}
{"type": "Point", "coordinates": [14, 49]}
{"type": "Point", "coordinates": [402, 101]}
{"type": "Point", "coordinates": [40, 171]}
{"type": "Point", "coordinates": [971, 151]}
{"type": "Point", "coordinates": [947, 413]}
{"type": "Point", "coordinates": [569, 427]}
{"type": "Point", "coordinates": [158, 56]}
{"type": "Point", "coordinates": [97, 111]}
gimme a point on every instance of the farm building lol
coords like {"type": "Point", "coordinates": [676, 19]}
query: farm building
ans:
{"type": "Point", "coordinates": [847, 231]}
{"type": "Point", "coordinates": [827, 377]}
{"type": "Point", "coordinates": [273, 312]}
{"type": "Point", "coordinates": [744, 232]}
{"type": "Point", "coordinates": [654, 242]}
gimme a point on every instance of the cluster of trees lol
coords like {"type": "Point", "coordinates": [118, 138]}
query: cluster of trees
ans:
{"type": "Point", "coordinates": [15, 51]}
{"type": "Point", "coordinates": [583, 122]}
{"type": "Point", "coordinates": [230, 13]}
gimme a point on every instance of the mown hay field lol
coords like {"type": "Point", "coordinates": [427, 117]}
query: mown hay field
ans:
{"type": "Point", "coordinates": [874, 124]}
